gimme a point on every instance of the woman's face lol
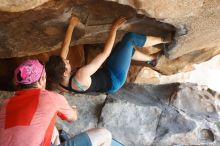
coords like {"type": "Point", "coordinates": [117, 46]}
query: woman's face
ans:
{"type": "Point", "coordinates": [67, 66]}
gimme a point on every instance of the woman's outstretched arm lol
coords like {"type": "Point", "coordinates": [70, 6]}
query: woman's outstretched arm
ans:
{"type": "Point", "coordinates": [89, 69]}
{"type": "Point", "coordinates": [65, 47]}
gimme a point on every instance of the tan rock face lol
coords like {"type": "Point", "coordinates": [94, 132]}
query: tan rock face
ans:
{"type": "Point", "coordinates": [200, 17]}
{"type": "Point", "coordinates": [165, 9]}
{"type": "Point", "coordinates": [42, 29]}
{"type": "Point", "coordinates": [76, 56]}
{"type": "Point", "coordinates": [19, 5]}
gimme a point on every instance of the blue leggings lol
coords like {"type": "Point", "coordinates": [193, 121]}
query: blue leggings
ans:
{"type": "Point", "coordinates": [119, 61]}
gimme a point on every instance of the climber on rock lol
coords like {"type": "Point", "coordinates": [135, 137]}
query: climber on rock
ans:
{"type": "Point", "coordinates": [107, 72]}
{"type": "Point", "coordinates": [28, 118]}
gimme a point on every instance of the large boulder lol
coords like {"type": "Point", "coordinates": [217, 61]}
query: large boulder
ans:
{"type": "Point", "coordinates": [42, 29]}
{"type": "Point", "coordinates": [198, 17]}
{"type": "Point", "coordinates": [42, 26]}
{"type": "Point", "coordinates": [20, 5]}
{"type": "Point", "coordinates": [162, 115]}
{"type": "Point", "coordinates": [129, 123]}
{"type": "Point", "coordinates": [89, 110]}
{"type": "Point", "coordinates": [171, 114]}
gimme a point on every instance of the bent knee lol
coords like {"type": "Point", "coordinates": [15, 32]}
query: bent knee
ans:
{"type": "Point", "coordinates": [130, 35]}
{"type": "Point", "coordinates": [106, 132]}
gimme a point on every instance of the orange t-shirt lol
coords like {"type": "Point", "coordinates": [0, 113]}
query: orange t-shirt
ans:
{"type": "Point", "coordinates": [28, 118]}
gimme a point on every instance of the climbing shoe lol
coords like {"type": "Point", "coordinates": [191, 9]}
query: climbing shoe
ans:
{"type": "Point", "coordinates": [168, 47]}
{"type": "Point", "coordinates": [153, 62]}
{"type": "Point", "coordinates": [168, 38]}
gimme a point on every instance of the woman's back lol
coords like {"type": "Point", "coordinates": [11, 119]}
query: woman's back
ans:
{"type": "Point", "coordinates": [101, 82]}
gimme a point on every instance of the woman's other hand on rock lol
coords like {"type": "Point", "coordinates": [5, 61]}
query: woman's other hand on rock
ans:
{"type": "Point", "coordinates": [74, 20]}
{"type": "Point", "coordinates": [119, 22]}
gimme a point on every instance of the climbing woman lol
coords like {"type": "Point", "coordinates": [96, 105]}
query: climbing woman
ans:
{"type": "Point", "coordinates": [107, 72]}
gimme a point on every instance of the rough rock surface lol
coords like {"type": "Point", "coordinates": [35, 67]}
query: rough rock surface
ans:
{"type": "Point", "coordinates": [177, 123]}
{"type": "Point", "coordinates": [171, 114]}
{"type": "Point", "coordinates": [129, 123]}
{"type": "Point", "coordinates": [19, 5]}
{"type": "Point", "coordinates": [42, 29]}
{"type": "Point", "coordinates": [199, 17]}
{"type": "Point", "coordinates": [89, 110]}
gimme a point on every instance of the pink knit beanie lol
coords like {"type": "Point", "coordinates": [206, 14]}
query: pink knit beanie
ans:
{"type": "Point", "coordinates": [29, 72]}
